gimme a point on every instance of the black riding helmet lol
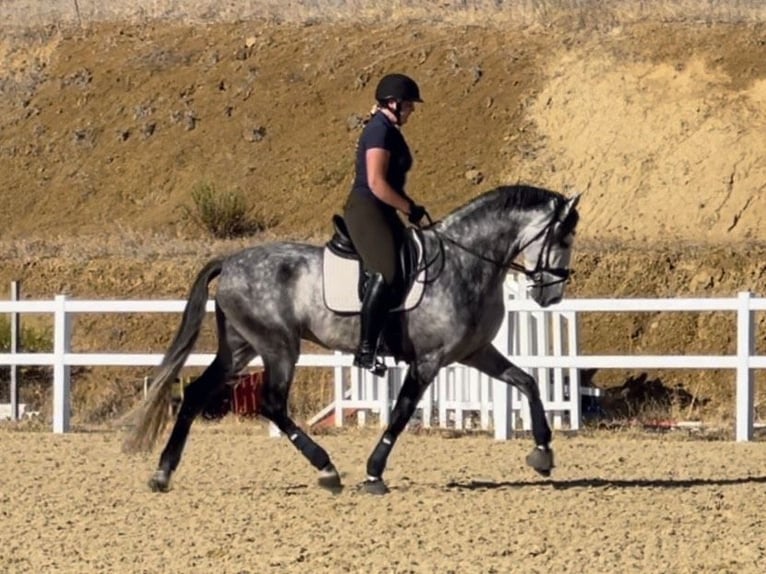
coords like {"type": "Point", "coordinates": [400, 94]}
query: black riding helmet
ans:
{"type": "Point", "coordinates": [397, 87]}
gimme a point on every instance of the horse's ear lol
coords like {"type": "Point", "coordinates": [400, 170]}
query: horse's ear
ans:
{"type": "Point", "coordinates": [574, 201]}
{"type": "Point", "coordinates": [570, 205]}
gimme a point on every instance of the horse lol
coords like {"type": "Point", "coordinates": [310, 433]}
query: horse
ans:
{"type": "Point", "coordinates": [269, 299]}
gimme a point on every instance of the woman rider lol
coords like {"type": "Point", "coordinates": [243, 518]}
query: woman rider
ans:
{"type": "Point", "coordinates": [382, 162]}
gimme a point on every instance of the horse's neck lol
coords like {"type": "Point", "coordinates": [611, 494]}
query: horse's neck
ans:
{"type": "Point", "coordinates": [492, 236]}
{"type": "Point", "coordinates": [474, 250]}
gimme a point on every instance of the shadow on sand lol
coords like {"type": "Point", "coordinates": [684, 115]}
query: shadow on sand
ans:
{"type": "Point", "coordinates": [606, 483]}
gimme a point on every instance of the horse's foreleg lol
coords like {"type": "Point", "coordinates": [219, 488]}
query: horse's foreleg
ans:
{"type": "Point", "coordinates": [409, 397]}
{"type": "Point", "coordinates": [195, 397]}
{"type": "Point", "coordinates": [490, 361]}
{"type": "Point", "coordinates": [277, 378]}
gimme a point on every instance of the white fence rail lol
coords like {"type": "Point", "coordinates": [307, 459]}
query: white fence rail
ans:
{"type": "Point", "coordinates": [541, 341]}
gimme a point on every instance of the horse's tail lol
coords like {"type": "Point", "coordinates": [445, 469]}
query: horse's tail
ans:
{"type": "Point", "coordinates": [148, 420]}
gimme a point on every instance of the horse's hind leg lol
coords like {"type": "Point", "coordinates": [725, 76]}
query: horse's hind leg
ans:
{"type": "Point", "coordinates": [491, 362]}
{"type": "Point", "coordinates": [233, 354]}
{"type": "Point", "coordinates": [278, 376]}
{"type": "Point", "coordinates": [195, 398]}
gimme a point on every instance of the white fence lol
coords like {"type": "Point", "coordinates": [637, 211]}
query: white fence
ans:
{"type": "Point", "coordinates": [457, 397]}
{"type": "Point", "coordinates": [542, 341]}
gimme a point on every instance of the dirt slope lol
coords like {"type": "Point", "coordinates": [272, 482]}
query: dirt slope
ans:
{"type": "Point", "coordinates": [121, 122]}
{"type": "Point", "coordinates": [107, 129]}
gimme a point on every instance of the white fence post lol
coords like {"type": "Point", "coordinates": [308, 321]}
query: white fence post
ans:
{"type": "Point", "coordinates": [61, 371]}
{"type": "Point", "coordinates": [558, 373]}
{"type": "Point", "coordinates": [573, 347]}
{"type": "Point", "coordinates": [745, 349]}
{"type": "Point", "coordinates": [542, 334]}
{"type": "Point", "coordinates": [428, 405]}
{"type": "Point", "coordinates": [501, 392]}
{"type": "Point", "coordinates": [15, 340]}
{"type": "Point", "coordinates": [526, 342]}
{"type": "Point", "coordinates": [339, 393]}
{"type": "Point", "coordinates": [385, 396]}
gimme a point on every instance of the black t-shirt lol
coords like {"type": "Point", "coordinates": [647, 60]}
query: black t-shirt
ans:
{"type": "Point", "coordinates": [381, 132]}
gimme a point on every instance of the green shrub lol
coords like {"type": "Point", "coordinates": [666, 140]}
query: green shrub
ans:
{"type": "Point", "coordinates": [225, 215]}
{"type": "Point", "coordinates": [30, 341]}
{"type": "Point", "coordinates": [34, 380]}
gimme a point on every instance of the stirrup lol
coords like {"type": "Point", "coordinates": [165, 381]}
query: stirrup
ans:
{"type": "Point", "coordinates": [375, 366]}
{"type": "Point", "coordinates": [378, 368]}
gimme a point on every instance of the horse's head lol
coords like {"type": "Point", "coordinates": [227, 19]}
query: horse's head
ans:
{"type": "Point", "coordinates": [518, 221]}
{"type": "Point", "coordinates": [547, 250]}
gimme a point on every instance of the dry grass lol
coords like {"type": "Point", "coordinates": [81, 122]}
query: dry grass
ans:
{"type": "Point", "coordinates": [582, 14]}
{"type": "Point", "coordinates": [125, 243]}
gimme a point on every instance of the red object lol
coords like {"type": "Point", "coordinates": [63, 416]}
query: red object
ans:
{"type": "Point", "coordinates": [247, 394]}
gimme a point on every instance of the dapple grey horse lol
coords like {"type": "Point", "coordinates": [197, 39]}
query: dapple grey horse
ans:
{"type": "Point", "coordinates": [269, 298]}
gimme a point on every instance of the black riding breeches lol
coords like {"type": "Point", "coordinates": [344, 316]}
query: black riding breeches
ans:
{"type": "Point", "coordinates": [377, 233]}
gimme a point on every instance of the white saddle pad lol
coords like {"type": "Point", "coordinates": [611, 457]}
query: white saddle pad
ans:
{"type": "Point", "coordinates": [340, 281]}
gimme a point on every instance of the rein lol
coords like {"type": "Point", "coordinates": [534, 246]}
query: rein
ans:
{"type": "Point", "coordinates": [561, 273]}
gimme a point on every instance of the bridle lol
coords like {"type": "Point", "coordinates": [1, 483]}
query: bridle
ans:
{"type": "Point", "coordinates": [543, 264]}
{"type": "Point", "coordinates": [543, 259]}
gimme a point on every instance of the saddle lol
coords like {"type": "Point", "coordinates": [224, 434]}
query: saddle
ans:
{"type": "Point", "coordinates": [344, 278]}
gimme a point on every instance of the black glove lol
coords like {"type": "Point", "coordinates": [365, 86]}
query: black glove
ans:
{"type": "Point", "coordinates": [417, 212]}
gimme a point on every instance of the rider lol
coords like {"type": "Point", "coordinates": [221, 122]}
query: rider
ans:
{"type": "Point", "coordinates": [382, 162]}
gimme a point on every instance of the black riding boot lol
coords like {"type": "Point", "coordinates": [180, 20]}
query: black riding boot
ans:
{"type": "Point", "coordinates": [374, 310]}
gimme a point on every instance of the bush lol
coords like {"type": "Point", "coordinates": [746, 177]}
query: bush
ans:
{"type": "Point", "coordinates": [224, 215]}
{"type": "Point", "coordinates": [31, 340]}
{"type": "Point", "coordinates": [35, 379]}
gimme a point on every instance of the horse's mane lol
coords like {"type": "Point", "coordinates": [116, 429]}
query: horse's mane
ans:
{"type": "Point", "coordinates": [508, 197]}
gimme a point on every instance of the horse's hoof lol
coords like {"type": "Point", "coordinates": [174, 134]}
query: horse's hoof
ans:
{"type": "Point", "coordinates": [375, 486]}
{"type": "Point", "coordinates": [329, 479]}
{"type": "Point", "coordinates": [541, 459]}
{"type": "Point", "coordinates": [159, 482]}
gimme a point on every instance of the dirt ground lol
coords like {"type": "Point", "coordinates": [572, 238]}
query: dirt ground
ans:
{"type": "Point", "coordinates": [656, 113]}
{"type": "Point", "coordinates": [244, 503]}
